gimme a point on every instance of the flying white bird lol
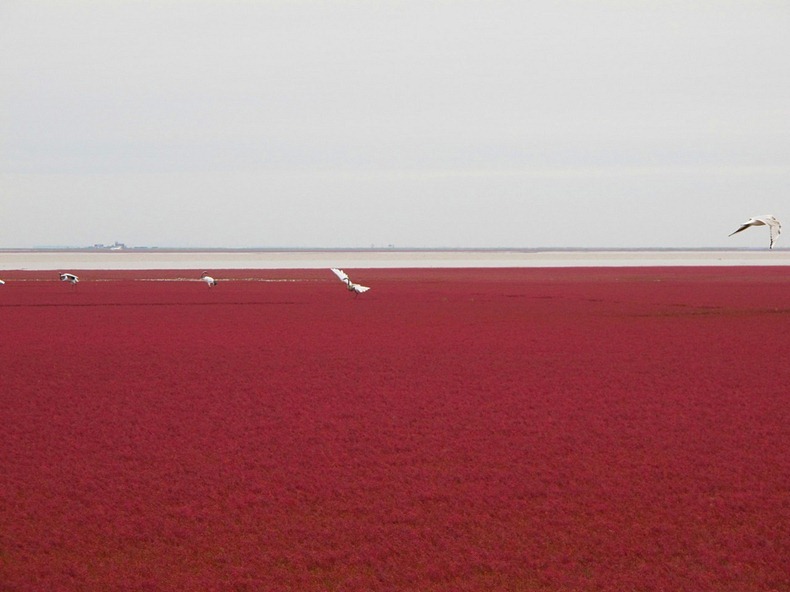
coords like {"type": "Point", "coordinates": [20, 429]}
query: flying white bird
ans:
{"type": "Point", "coordinates": [2, 283]}
{"type": "Point", "coordinates": [69, 277]}
{"type": "Point", "coordinates": [210, 281]}
{"type": "Point", "coordinates": [352, 287]}
{"type": "Point", "coordinates": [767, 220]}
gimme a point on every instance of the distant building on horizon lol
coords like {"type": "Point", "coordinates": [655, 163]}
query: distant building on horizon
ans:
{"type": "Point", "coordinates": [116, 246]}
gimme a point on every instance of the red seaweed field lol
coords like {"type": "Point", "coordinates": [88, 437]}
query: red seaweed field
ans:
{"type": "Point", "coordinates": [597, 429]}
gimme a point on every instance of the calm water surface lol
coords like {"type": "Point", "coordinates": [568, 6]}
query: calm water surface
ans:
{"type": "Point", "coordinates": [131, 259]}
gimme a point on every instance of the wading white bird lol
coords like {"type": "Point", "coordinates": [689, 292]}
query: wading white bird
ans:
{"type": "Point", "coordinates": [773, 225]}
{"type": "Point", "coordinates": [69, 277]}
{"type": "Point", "coordinates": [351, 286]}
{"type": "Point", "coordinates": [210, 281]}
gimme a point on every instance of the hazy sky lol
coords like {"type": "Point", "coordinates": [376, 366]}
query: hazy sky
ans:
{"type": "Point", "coordinates": [416, 123]}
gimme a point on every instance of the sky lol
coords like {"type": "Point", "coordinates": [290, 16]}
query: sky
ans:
{"type": "Point", "coordinates": [423, 124]}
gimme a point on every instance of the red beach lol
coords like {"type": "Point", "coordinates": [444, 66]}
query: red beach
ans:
{"type": "Point", "coordinates": [451, 429]}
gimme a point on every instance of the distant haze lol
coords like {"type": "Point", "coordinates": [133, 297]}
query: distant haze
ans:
{"type": "Point", "coordinates": [619, 123]}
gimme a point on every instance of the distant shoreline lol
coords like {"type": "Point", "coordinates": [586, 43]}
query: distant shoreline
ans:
{"type": "Point", "coordinates": [131, 258]}
{"type": "Point", "coordinates": [144, 250]}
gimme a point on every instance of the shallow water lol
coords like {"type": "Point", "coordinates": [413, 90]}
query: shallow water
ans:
{"type": "Point", "coordinates": [163, 259]}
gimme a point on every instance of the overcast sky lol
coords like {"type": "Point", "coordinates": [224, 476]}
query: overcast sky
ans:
{"type": "Point", "coordinates": [416, 123]}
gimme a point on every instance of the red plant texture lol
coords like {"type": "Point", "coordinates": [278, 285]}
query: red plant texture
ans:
{"type": "Point", "coordinates": [603, 429]}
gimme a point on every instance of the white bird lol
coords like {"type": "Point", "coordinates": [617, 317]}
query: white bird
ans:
{"type": "Point", "coordinates": [773, 224]}
{"type": "Point", "coordinates": [69, 277]}
{"type": "Point", "coordinates": [2, 283]}
{"type": "Point", "coordinates": [210, 281]}
{"type": "Point", "coordinates": [351, 286]}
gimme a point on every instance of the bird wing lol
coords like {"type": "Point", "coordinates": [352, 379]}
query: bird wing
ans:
{"type": "Point", "coordinates": [743, 227]}
{"type": "Point", "coordinates": [773, 226]}
{"type": "Point", "coordinates": [776, 228]}
{"type": "Point", "coordinates": [359, 289]}
{"type": "Point", "coordinates": [340, 274]}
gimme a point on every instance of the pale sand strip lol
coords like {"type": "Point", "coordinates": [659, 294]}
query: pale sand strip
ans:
{"type": "Point", "coordinates": [69, 260]}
